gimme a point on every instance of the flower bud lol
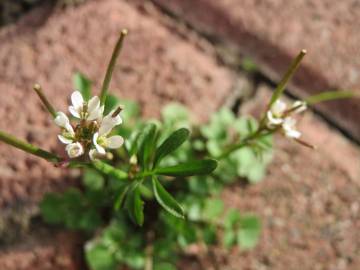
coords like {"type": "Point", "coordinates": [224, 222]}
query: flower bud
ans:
{"type": "Point", "coordinates": [74, 150]}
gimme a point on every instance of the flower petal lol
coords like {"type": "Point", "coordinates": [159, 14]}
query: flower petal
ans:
{"type": "Point", "coordinates": [105, 128]}
{"type": "Point", "coordinates": [95, 114]}
{"type": "Point", "coordinates": [293, 134]}
{"type": "Point", "coordinates": [114, 142]}
{"type": "Point", "coordinates": [300, 105]}
{"type": "Point", "coordinates": [98, 147]}
{"type": "Point", "coordinates": [108, 123]}
{"type": "Point", "coordinates": [94, 104]}
{"type": "Point", "coordinates": [74, 112]}
{"type": "Point", "coordinates": [74, 150]}
{"type": "Point", "coordinates": [278, 108]}
{"type": "Point", "coordinates": [61, 119]}
{"type": "Point", "coordinates": [93, 153]}
{"type": "Point", "coordinates": [117, 120]}
{"type": "Point", "coordinates": [77, 100]}
{"type": "Point", "coordinates": [272, 120]}
{"type": "Point", "coordinates": [64, 140]}
{"type": "Point", "coordinates": [289, 127]}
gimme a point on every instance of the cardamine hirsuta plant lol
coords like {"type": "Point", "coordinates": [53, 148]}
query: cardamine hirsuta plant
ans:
{"type": "Point", "coordinates": [131, 164]}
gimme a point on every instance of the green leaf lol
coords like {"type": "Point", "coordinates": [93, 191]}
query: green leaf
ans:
{"type": "Point", "coordinates": [249, 231]}
{"type": "Point", "coordinates": [110, 103]}
{"type": "Point", "coordinates": [166, 200]}
{"type": "Point", "coordinates": [173, 142]}
{"type": "Point", "coordinates": [131, 109]}
{"type": "Point", "coordinates": [229, 238]}
{"type": "Point", "coordinates": [146, 145]}
{"type": "Point", "coordinates": [190, 168]}
{"type": "Point", "coordinates": [89, 220]}
{"type": "Point", "coordinates": [83, 84]}
{"type": "Point", "coordinates": [209, 234]}
{"type": "Point", "coordinates": [121, 196]}
{"type": "Point", "coordinates": [232, 218]}
{"type": "Point", "coordinates": [249, 65]}
{"type": "Point", "coordinates": [100, 257]}
{"type": "Point", "coordinates": [164, 266]}
{"type": "Point", "coordinates": [135, 206]}
{"type": "Point", "coordinates": [93, 180]}
{"type": "Point", "coordinates": [51, 208]}
{"type": "Point", "coordinates": [213, 209]}
{"type": "Point", "coordinates": [175, 114]}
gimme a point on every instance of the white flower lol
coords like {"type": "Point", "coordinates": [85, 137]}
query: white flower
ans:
{"type": "Point", "coordinates": [289, 128]}
{"type": "Point", "coordinates": [109, 122]}
{"type": "Point", "coordinates": [299, 106]}
{"type": "Point", "coordinates": [68, 133]}
{"type": "Point", "coordinates": [103, 142]}
{"type": "Point", "coordinates": [74, 150]}
{"type": "Point", "coordinates": [85, 110]}
{"type": "Point", "coordinates": [100, 139]}
{"type": "Point", "coordinates": [276, 112]}
{"type": "Point", "coordinates": [93, 154]}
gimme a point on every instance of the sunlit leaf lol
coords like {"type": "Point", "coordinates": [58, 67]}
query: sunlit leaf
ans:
{"type": "Point", "coordinates": [82, 84]}
{"type": "Point", "coordinates": [249, 231]}
{"type": "Point", "coordinates": [110, 103]}
{"type": "Point", "coordinates": [190, 168]}
{"type": "Point", "coordinates": [135, 206]}
{"type": "Point", "coordinates": [174, 141]}
{"type": "Point", "coordinates": [165, 199]}
{"type": "Point", "coordinates": [92, 179]}
{"type": "Point", "coordinates": [146, 144]}
{"type": "Point", "coordinates": [100, 257]}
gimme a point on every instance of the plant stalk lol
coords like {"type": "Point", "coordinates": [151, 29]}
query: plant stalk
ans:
{"type": "Point", "coordinates": [29, 148]}
{"type": "Point", "coordinates": [37, 88]}
{"type": "Point", "coordinates": [246, 141]}
{"type": "Point", "coordinates": [289, 73]}
{"type": "Point", "coordinates": [111, 66]}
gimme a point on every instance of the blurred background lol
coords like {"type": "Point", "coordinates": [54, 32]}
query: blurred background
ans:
{"type": "Point", "coordinates": [203, 54]}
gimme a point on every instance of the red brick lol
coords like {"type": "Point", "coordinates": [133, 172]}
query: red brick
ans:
{"type": "Point", "coordinates": [45, 251]}
{"type": "Point", "coordinates": [273, 32]}
{"type": "Point", "coordinates": [156, 66]}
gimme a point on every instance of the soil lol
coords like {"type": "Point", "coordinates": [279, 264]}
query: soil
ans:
{"type": "Point", "coordinates": [308, 202]}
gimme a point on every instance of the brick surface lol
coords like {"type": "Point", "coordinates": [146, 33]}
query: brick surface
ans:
{"type": "Point", "coordinates": [308, 201]}
{"type": "Point", "coordinates": [44, 251]}
{"type": "Point", "coordinates": [273, 32]}
{"type": "Point", "coordinates": [156, 66]}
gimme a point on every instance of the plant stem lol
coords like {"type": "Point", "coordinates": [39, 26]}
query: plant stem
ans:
{"type": "Point", "coordinates": [289, 73]}
{"type": "Point", "coordinates": [328, 96]}
{"type": "Point", "coordinates": [111, 66]}
{"type": "Point", "coordinates": [246, 141]}
{"type": "Point", "coordinates": [110, 170]}
{"type": "Point", "coordinates": [45, 101]}
{"type": "Point", "coordinates": [29, 148]}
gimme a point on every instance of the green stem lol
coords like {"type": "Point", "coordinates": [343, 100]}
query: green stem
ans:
{"type": "Point", "coordinates": [29, 148]}
{"type": "Point", "coordinates": [144, 174]}
{"type": "Point", "coordinates": [110, 170]}
{"type": "Point", "coordinates": [328, 96]}
{"type": "Point", "coordinates": [44, 100]}
{"type": "Point", "coordinates": [111, 66]}
{"type": "Point", "coordinates": [245, 142]}
{"type": "Point", "coordinates": [289, 73]}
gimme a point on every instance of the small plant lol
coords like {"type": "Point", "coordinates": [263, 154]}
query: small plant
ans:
{"type": "Point", "coordinates": [131, 165]}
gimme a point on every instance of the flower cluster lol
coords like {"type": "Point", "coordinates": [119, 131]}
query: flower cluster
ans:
{"type": "Point", "coordinates": [280, 116]}
{"type": "Point", "coordinates": [91, 134]}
